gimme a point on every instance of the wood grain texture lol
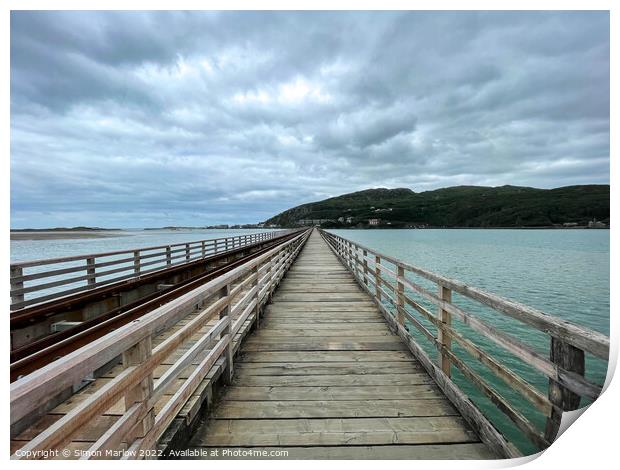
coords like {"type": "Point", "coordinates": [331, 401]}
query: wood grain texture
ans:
{"type": "Point", "coordinates": [326, 377]}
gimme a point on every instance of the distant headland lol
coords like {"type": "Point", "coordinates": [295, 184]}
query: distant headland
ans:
{"type": "Point", "coordinates": [585, 206]}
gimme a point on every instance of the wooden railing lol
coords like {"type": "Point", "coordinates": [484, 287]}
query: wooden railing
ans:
{"type": "Point", "coordinates": [31, 284]}
{"type": "Point", "coordinates": [396, 288]}
{"type": "Point", "coordinates": [139, 428]}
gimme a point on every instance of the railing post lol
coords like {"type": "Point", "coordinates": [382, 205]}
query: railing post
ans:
{"type": "Point", "coordinates": [378, 278]}
{"type": "Point", "coordinates": [17, 272]}
{"type": "Point", "coordinates": [400, 296]}
{"type": "Point", "coordinates": [269, 274]}
{"type": "Point", "coordinates": [356, 262]}
{"type": "Point", "coordinates": [571, 359]}
{"type": "Point", "coordinates": [350, 255]}
{"type": "Point", "coordinates": [136, 262]}
{"type": "Point", "coordinates": [143, 391]}
{"type": "Point", "coordinates": [365, 256]}
{"type": "Point", "coordinates": [203, 249]}
{"type": "Point", "coordinates": [229, 371]}
{"type": "Point", "coordinates": [256, 285]}
{"type": "Point", "coordinates": [168, 255]}
{"type": "Point", "coordinates": [90, 271]}
{"type": "Point", "coordinates": [187, 256]}
{"type": "Point", "coordinates": [445, 341]}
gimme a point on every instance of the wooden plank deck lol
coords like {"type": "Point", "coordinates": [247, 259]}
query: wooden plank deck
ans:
{"type": "Point", "coordinates": [325, 378]}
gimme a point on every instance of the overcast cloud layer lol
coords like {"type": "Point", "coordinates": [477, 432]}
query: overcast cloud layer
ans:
{"type": "Point", "coordinates": [125, 119]}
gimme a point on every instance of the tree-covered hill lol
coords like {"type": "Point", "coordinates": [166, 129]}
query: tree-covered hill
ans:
{"type": "Point", "coordinates": [459, 206]}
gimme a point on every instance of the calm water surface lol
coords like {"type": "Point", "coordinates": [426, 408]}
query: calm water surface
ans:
{"type": "Point", "coordinates": [561, 272]}
{"type": "Point", "coordinates": [26, 250]}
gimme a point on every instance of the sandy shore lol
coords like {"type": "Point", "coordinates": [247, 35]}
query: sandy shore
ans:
{"type": "Point", "coordinates": [57, 235]}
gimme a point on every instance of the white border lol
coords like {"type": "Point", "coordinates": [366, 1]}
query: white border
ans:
{"type": "Point", "coordinates": [590, 443]}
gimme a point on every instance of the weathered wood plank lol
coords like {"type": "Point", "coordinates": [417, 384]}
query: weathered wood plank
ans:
{"type": "Point", "coordinates": [383, 392]}
{"type": "Point", "coordinates": [352, 306]}
{"type": "Point", "coordinates": [322, 368]}
{"type": "Point", "coordinates": [332, 409]}
{"type": "Point", "coordinates": [320, 297]}
{"type": "Point", "coordinates": [345, 431]}
{"type": "Point", "coordinates": [326, 345]}
{"type": "Point", "coordinates": [356, 330]}
{"type": "Point", "coordinates": [249, 380]}
{"type": "Point", "coordinates": [475, 451]}
{"type": "Point", "coordinates": [362, 357]}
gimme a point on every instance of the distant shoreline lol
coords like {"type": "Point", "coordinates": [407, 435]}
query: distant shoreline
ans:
{"type": "Point", "coordinates": [35, 234]}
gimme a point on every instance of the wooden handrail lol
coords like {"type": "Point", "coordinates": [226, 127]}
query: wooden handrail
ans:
{"type": "Point", "coordinates": [138, 425]}
{"type": "Point", "coordinates": [90, 275]}
{"type": "Point", "coordinates": [564, 368]}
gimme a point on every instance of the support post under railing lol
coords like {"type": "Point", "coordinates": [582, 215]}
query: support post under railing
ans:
{"type": "Point", "coordinates": [365, 255]}
{"type": "Point", "coordinates": [143, 391]}
{"type": "Point", "coordinates": [349, 255]}
{"type": "Point", "coordinates": [187, 255]}
{"type": "Point", "coordinates": [571, 359]}
{"type": "Point", "coordinates": [378, 278]}
{"type": "Point", "coordinates": [256, 285]}
{"type": "Point", "coordinates": [16, 272]}
{"type": "Point", "coordinates": [136, 262]}
{"type": "Point", "coordinates": [228, 373]}
{"type": "Point", "coordinates": [90, 271]}
{"type": "Point", "coordinates": [168, 255]}
{"type": "Point", "coordinates": [400, 296]}
{"type": "Point", "coordinates": [445, 341]}
{"type": "Point", "coordinates": [269, 274]}
{"type": "Point", "coordinates": [203, 249]}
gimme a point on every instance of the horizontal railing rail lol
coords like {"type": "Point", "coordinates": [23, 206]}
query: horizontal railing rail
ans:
{"type": "Point", "coordinates": [89, 271]}
{"type": "Point", "coordinates": [233, 298]}
{"type": "Point", "coordinates": [402, 299]}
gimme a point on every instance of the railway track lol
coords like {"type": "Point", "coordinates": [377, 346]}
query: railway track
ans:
{"type": "Point", "coordinates": [37, 354]}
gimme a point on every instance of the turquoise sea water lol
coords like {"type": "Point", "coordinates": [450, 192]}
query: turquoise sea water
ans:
{"type": "Point", "coordinates": [26, 250]}
{"type": "Point", "coordinates": [561, 272]}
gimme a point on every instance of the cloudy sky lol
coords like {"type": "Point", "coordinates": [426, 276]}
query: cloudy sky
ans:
{"type": "Point", "coordinates": [132, 119]}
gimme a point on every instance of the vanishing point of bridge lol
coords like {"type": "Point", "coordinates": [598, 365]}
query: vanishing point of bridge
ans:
{"type": "Point", "coordinates": [302, 342]}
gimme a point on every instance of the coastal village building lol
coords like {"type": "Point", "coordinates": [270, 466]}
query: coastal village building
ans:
{"type": "Point", "coordinates": [309, 222]}
{"type": "Point", "coordinates": [374, 221]}
{"type": "Point", "coordinates": [596, 224]}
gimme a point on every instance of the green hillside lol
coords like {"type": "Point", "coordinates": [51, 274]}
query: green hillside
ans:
{"type": "Point", "coordinates": [459, 206]}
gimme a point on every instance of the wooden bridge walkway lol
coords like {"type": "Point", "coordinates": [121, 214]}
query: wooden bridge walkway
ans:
{"type": "Point", "coordinates": [324, 377]}
{"type": "Point", "coordinates": [332, 371]}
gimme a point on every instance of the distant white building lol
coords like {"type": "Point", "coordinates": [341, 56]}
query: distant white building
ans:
{"type": "Point", "coordinates": [596, 224]}
{"type": "Point", "coordinates": [374, 221]}
{"type": "Point", "coordinates": [307, 222]}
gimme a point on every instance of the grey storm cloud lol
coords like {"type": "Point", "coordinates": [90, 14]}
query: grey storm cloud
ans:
{"type": "Point", "coordinates": [154, 118]}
